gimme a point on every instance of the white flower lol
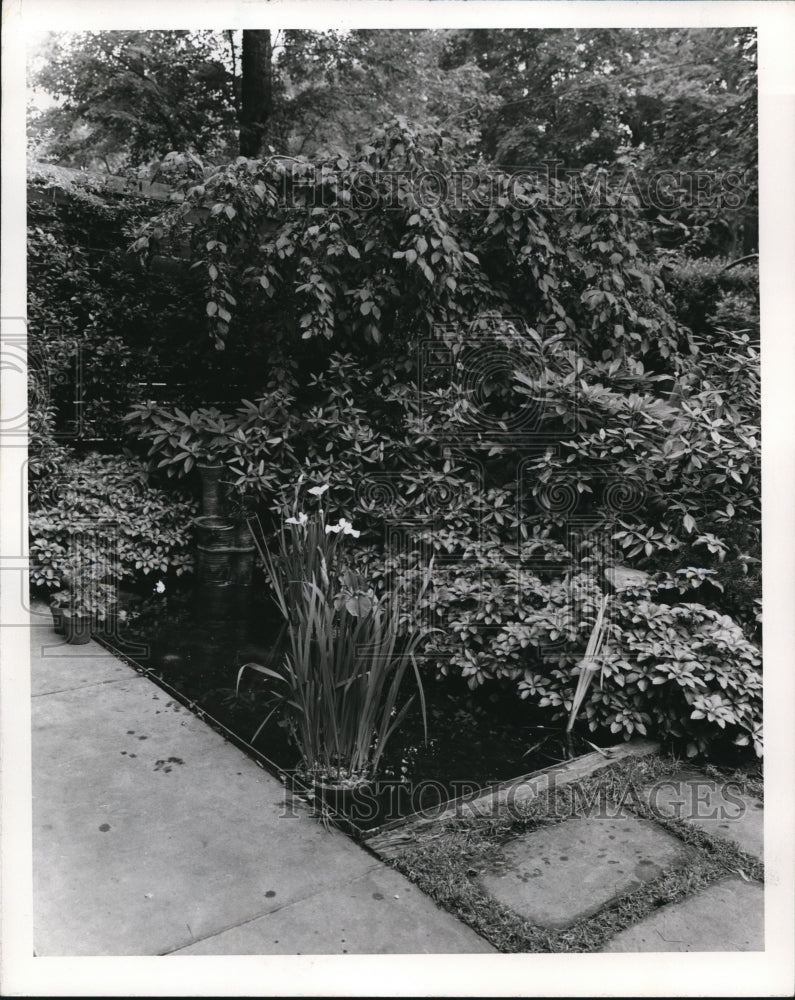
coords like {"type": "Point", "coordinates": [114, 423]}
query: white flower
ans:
{"type": "Point", "coordinates": [343, 526]}
{"type": "Point", "coordinates": [318, 491]}
{"type": "Point", "coordinates": [160, 587]}
{"type": "Point", "coordinates": [300, 520]}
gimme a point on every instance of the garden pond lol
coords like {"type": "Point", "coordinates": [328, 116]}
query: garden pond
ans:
{"type": "Point", "coordinates": [193, 644]}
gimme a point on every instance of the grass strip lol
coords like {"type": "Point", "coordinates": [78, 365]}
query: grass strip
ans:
{"type": "Point", "coordinates": [445, 866]}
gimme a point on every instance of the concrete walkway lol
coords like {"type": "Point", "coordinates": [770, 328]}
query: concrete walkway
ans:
{"type": "Point", "coordinates": [152, 835]}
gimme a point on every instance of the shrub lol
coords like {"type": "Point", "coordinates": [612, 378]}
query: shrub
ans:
{"type": "Point", "coordinates": [500, 593]}
{"type": "Point", "coordinates": [47, 457]}
{"type": "Point", "coordinates": [698, 285]}
{"type": "Point", "coordinates": [90, 585]}
{"type": "Point", "coordinates": [323, 280]}
{"type": "Point", "coordinates": [683, 672]}
{"type": "Point", "coordinates": [252, 442]}
{"type": "Point", "coordinates": [107, 501]}
{"type": "Point", "coordinates": [100, 329]}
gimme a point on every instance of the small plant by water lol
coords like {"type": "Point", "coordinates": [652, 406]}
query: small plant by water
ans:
{"type": "Point", "coordinates": [589, 664]}
{"type": "Point", "coordinates": [347, 649]}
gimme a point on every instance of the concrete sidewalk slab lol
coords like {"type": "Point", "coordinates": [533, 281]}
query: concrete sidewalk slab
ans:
{"type": "Point", "coordinates": [61, 667]}
{"type": "Point", "coordinates": [719, 809]}
{"type": "Point", "coordinates": [379, 909]}
{"type": "Point", "coordinates": [151, 833]}
{"type": "Point", "coordinates": [570, 870]}
{"type": "Point", "coordinates": [726, 916]}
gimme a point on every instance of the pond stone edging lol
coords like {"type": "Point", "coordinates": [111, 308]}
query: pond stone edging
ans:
{"type": "Point", "coordinates": [389, 840]}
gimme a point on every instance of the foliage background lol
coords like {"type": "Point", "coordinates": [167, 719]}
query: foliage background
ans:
{"type": "Point", "coordinates": [274, 281]}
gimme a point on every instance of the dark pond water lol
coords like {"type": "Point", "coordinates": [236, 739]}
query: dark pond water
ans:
{"type": "Point", "coordinates": [195, 643]}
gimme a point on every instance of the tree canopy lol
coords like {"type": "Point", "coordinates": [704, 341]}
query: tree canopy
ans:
{"type": "Point", "coordinates": [652, 101]}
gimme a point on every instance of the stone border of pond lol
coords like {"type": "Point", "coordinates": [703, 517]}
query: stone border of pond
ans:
{"type": "Point", "coordinates": [388, 839]}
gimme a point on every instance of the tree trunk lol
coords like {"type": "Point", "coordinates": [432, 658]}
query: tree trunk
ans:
{"type": "Point", "coordinates": [256, 96]}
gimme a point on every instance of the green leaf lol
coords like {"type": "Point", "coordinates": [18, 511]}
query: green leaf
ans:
{"type": "Point", "coordinates": [358, 605]}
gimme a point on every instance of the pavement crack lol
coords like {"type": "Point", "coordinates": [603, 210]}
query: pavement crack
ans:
{"type": "Point", "coordinates": [79, 687]}
{"type": "Point", "coordinates": [269, 911]}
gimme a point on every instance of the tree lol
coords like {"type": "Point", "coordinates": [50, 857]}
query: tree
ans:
{"type": "Point", "coordinates": [256, 91]}
{"type": "Point", "coordinates": [127, 97]}
{"type": "Point", "coordinates": [702, 87]}
{"type": "Point", "coordinates": [681, 101]}
{"type": "Point", "coordinates": [561, 94]}
{"type": "Point", "coordinates": [678, 100]}
{"type": "Point", "coordinates": [339, 86]}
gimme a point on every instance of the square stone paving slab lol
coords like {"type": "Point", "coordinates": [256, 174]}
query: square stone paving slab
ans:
{"type": "Point", "coordinates": [720, 809]}
{"type": "Point", "coordinates": [726, 916]}
{"type": "Point", "coordinates": [570, 870]}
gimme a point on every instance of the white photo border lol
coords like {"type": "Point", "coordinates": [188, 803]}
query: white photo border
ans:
{"type": "Point", "coordinates": [719, 974]}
